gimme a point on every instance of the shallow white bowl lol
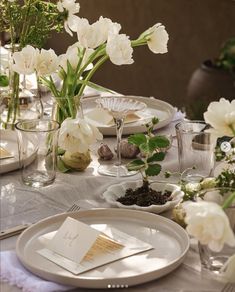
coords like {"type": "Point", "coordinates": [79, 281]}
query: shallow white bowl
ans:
{"type": "Point", "coordinates": [118, 190]}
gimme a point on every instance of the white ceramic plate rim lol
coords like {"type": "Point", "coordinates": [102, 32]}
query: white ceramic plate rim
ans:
{"type": "Point", "coordinates": [129, 128]}
{"type": "Point", "coordinates": [10, 164]}
{"type": "Point", "coordinates": [110, 197]}
{"type": "Point", "coordinates": [101, 282]}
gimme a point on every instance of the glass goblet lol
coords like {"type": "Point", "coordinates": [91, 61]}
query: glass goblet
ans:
{"type": "Point", "coordinates": [119, 108]}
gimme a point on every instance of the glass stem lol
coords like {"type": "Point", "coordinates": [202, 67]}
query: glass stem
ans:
{"type": "Point", "coordinates": [119, 127]}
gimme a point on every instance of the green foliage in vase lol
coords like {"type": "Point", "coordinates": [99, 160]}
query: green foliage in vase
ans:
{"type": "Point", "coordinates": [150, 148]}
{"type": "Point", "coordinates": [30, 21]}
{"type": "Point", "coordinates": [226, 59]}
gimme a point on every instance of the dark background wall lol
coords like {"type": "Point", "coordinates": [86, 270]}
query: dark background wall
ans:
{"type": "Point", "coordinates": [197, 29]}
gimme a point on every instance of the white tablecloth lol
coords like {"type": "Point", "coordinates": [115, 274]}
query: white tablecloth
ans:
{"type": "Point", "coordinates": [19, 204]}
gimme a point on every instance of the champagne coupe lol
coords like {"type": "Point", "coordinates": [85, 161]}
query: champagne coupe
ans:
{"type": "Point", "coordinates": [119, 108]}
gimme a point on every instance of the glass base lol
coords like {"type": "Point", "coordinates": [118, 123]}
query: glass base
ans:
{"type": "Point", "coordinates": [114, 170]}
{"type": "Point", "coordinates": [38, 179]}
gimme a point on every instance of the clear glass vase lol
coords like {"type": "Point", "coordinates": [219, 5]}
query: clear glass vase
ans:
{"type": "Point", "coordinates": [20, 99]}
{"type": "Point", "coordinates": [217, 262]}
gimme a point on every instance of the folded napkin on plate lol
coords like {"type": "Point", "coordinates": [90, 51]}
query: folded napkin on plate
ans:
{"type": "Point", "coordinates": [101, 117]}
{"type": "Point", "coordinates": [15, 274]}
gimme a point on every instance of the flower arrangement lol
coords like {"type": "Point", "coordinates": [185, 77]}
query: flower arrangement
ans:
{"type": "Point", "coordinates": [203, 210]}
{"type": "Point", "coordinates": [76, 136]}
{"type": "Point", "coordinates": [96, 43]}
{"type": "Point", "coordinates": [30, 22]}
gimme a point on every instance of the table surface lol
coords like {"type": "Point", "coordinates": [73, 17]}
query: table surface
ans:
{"type": "Point", "coordinates": [19, 204]}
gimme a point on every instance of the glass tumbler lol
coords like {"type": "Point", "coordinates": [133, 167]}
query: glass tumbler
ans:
{"type": "Point", "coordinates": [211, 261]}
{"type": "Point", "coordinates": [195, 150]}
{"type": "Point", "coordinates": [37, 143]}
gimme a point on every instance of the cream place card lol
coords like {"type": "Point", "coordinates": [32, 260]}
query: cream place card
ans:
{"type": "Point", "coordinates": [78, 247]}
{"type": "Point", "coordinates": [5, 153]}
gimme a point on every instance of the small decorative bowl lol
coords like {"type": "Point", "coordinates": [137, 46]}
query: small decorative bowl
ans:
{"type": "Point", "coordinates": [118, 190]}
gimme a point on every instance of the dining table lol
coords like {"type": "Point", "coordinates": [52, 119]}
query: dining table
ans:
{"type": "Point", "coordinates": [22, 204]}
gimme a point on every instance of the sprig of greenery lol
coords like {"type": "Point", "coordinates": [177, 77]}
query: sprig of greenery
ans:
{"type": "Point", "coordinates": [226, 59]}
{"type": "Point", "coordinates": [30, 22]}
{"type": "Point", "coordinates": [150, 148]}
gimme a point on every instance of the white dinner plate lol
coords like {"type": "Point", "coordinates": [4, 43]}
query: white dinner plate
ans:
{"type": "Point", "coordinates": [170, 242]}
{"type": "Point", "coordinates": [155, 107]}
{"type": "Point", "coordinates": [8, 140]}
{"type": "Point", "coordinates": [116, 191]}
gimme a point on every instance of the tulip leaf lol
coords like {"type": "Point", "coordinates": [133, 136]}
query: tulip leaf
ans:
{"type": "Point", "coordinates": [4, 81]}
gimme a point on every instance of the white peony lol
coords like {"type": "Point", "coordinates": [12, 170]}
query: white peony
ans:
{"type": "Point", "coordinates": [207, 222]}
{"type": "Point", "coordinates": [157, 39]}
{"type": "Point", "coordinates": [221, 116]}
{"type": "Point", "coordinates": [72, 55]}
{"type": "Point", "coordinates": [25, 60]}
{"type": "Point", "coordinates": [76, 135]}
{"type": "Point", "coordinates": [119, 49]}
{"type": "Point", "coordinates": [72, 8]}
{"type": "Point", "coordinates": [46, 62]}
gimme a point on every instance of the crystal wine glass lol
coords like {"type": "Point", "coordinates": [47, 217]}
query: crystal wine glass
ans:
{"type": "Point", "coordinates": [119, 108]}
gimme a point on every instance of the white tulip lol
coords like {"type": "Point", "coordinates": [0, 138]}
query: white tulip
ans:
{"type": "Point", "coordinates": [46, 62]}
{"type": "Point", "coordinates": [72, 20]}
{"type": "Point", "coordinates": [221, 116]}
{"type": "Point", "coordinates": [25, 60]}
{"type": "Point", "coordinates": [105, 27]}
{"type": "Point", "coordinates": [119, 49]}
{"type": "Point", "coordinates": [72, 55]}
{"type": "Point", "coordinates": [157, 39]}
{"type": "Point", "coordinates": [76, 135]}
{"type": "Point", "coordinates": [207, 222]}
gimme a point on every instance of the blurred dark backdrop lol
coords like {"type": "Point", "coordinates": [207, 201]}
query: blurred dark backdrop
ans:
{"type": "Point", "coordinates": [197, 29]}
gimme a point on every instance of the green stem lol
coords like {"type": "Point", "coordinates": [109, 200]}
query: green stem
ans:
{"type": "Point", "coordinates": [90, 74]}
{"type": "Point", "coordinates": [227, 203]}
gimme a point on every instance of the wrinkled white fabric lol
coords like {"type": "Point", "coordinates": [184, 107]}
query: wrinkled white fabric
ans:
{"type": "Point", "coordinates": [15, 274]}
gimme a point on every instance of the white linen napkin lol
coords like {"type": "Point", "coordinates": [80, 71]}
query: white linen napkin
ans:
{"type": "Point", "coordinates": [15, 274]}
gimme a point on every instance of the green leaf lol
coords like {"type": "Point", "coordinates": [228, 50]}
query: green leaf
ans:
{"type": "Point", "coordinates": [156, 157]}
{"type": "Point", "coordinates": [137, 139]}
{"type": "Point", "coordinates": [153, 169]}
{"type": "Point", "coordinates": [4, 81]}
{"type": "Point", "coordinates": [61, 166]}
{"type": "Point", "coordinates": [99, 87]}
{"type": "Point", "coordinates": [136, 164]}
{"type": "Point", "coordinates": [158, 142]}
{"type": "Point", "coordinates": [144, 148]}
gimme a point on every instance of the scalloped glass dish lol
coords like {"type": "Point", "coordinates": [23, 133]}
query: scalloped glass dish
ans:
{"type": "Point", "coordinates": [118, 190]}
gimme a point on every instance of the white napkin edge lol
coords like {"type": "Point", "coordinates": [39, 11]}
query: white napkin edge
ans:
{"type": "Point", "coordinates": [15, 274]}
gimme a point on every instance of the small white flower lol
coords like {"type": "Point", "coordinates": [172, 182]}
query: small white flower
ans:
{"type": "Point", "coordinates": [46, 62]}
{"type": "Point", "coordinates": [24, 61]}
{"type": "Point", "coordinates": [72, 8]}
{"type": "Point", "coordinates": [208, 183]}
{"type": "Point", "coordinates": [76, 135]}
{"type": "Point", "coordinates": [72, 55]}
{"type": "Point", "coordinates": [119, 49]}
{"type": "Point", "coordinates": [157, 39]}
{"type": "Point", "coordinates": [192, 187]}
{"type": "Point", "coordinates": [207, 222]}
{"type": "Point", "coordinates": [221, 116]}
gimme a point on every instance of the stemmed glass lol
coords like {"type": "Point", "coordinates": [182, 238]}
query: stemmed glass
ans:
{"type": "Point", "coordinates": [119, 108]}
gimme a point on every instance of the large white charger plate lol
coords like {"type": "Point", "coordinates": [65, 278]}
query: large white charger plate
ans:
{"type": "Point", "coordinates": [8, 140]}
{"type": "Point", "coordinates": [116, 191]}
{"type": "Point", "coordinates": [170, 242]}
{"type": "Point", "coordinates": [155, 107]}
